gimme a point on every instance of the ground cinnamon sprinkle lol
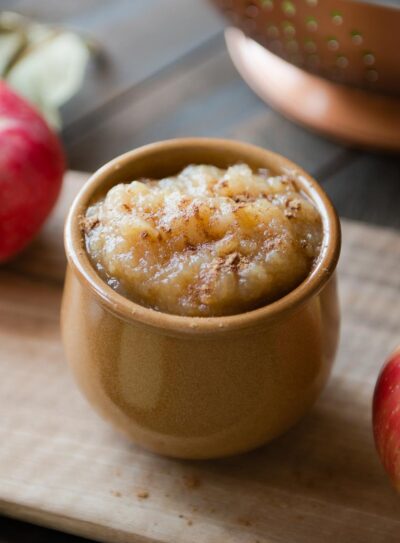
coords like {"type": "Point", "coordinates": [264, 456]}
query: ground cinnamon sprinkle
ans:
{"type": "Point", "coordinates": [232, 260]}
{"type": "Point", "coordinates": [292, 206]}
{"type": "Point", "coordinates": [88, 223]}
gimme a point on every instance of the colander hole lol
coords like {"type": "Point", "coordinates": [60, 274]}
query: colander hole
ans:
{"type": "Point", "coordinates": [371, 76]}
{"type": "Point", "coordinates": [267, 4]}
{"type": "Point", "coordinates": [252, 11]}
{"type": "Point", "coordinates": [292, 46]}
{"type": "Point", "coordinates": [333, 44]}
{"type": "Point", "coordinates": [288, 8]}
{"type": "Point", "coordinates": [288, 29]}
{"type": "Point", "coordinates": [272, 31]}
{"type": "Point", "coordinates": [369, 59]}
{"type": "Point", "coordinates": [310, 46]}
{"type": "Point", "coordinates": [342, 61]}
{"type": "Point", "coordinates": [311, 23]}
{"type": "Point", "coordinates": [356, 37]}
{"type": "Point", "coordinates": [337, 18]}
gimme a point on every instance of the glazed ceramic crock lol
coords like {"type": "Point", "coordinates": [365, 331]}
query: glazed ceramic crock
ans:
{"type": "Point", "coordinates": [195, 387]}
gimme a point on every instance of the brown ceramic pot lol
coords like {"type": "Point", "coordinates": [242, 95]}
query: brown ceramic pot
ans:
{"type": "Point", "coordinates": [199, 387]}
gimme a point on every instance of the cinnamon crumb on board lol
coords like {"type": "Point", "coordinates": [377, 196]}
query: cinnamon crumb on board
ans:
{"type": "Point", "coordinates": [116, 493]}
{"type": "Point", "coordinates": [191, 481]}
{"type": "Point", "coordinates": [142, 494]}
{"type": "Point", "coordinates": [244, 521]}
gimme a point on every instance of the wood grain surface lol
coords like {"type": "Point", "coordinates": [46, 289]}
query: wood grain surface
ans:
{"type": "Point", "coordinates": [61, 466]}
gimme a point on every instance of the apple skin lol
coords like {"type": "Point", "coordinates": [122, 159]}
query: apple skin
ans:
{"type": "Point", "coordinates": [386, 417]}
{"type": "Point", "coordinates": [32, 165]}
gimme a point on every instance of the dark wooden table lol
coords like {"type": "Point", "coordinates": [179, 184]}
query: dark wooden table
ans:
{"type": "Point", "coordinates": [165, 72]}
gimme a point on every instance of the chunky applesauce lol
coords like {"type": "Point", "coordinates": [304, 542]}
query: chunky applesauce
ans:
{"type": "Point", "coordinates": [205, 242]}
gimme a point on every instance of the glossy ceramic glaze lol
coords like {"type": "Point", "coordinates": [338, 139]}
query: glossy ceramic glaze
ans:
{"type": "Point", "coordinates": [199, 387]}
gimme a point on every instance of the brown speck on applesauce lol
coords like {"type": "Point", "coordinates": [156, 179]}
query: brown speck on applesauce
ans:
{"type": "Point", "coordinates": [88, 223]}
{"type": "Point", "coordinates": [232, 261]}
{"type": "Point", "coordinates": [243, 198]}
{"type": "Point", "coordinates": [293, 205]}
{"type": "Point", "coordinates": [289, 213]}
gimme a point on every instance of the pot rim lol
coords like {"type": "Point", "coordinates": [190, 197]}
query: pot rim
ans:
{"type": "Point", "coordinates": [130, 311]}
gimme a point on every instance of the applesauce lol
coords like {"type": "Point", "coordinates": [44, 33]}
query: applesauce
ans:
{"type": "Point", "coordinates": [206, 242]}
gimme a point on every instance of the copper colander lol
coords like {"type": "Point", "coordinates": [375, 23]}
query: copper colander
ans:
{"type": "Point", "coordinates": [331, 65]}
{"type": "Point", "coordinates": [347, 41]}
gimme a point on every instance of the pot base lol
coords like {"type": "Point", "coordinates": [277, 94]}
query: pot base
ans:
{"type": "Point", "coordinates": [353, 116]}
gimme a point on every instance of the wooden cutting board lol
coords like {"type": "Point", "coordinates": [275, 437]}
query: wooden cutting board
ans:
{"type": "Point", "coordinates": [61, 466]}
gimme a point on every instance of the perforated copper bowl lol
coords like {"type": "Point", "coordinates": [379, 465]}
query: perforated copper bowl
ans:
{"type": "Point", "coordinates": [349, 41]}
{"type": "Point", "coordinates": [331, 65]}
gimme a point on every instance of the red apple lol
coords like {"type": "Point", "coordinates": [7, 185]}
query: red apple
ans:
{"type": "Point", "coordinates": [386, 417]}
{"type": "Point", "coordinates": [31, 169]}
